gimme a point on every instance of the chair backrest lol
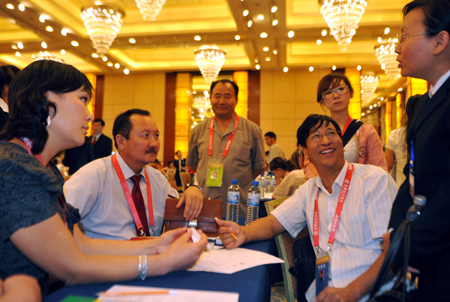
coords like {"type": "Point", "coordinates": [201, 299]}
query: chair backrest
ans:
{"type": "Point", "coordinates": [171, 176]}
{"type": "Point", "coordinates": [184, 180]}
{"type": "Point", "coordinates": [173, 184]}
{"type": "Point", "coordinates": [285, 244]}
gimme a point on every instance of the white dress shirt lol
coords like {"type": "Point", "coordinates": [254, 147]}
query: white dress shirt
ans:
{"type": "Point", "coordinates": [96, 191]}
{"type": "Point", "coordinates": [3, 105]}
{"type": "Point", "coordinates": [364, 218]}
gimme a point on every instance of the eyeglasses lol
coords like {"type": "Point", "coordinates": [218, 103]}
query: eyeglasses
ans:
{"type": "Point", "coordinates": [318, 136]}
{"type": "Point", "coordinates": [329, 94]}
{"type": "Point", "coordinates": [401, 38]}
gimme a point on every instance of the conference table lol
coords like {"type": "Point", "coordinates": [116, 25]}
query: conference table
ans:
{"type": "Point", "coordinates": [253, 285]}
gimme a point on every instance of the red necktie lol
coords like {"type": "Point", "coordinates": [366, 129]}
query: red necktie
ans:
{"type": "Point", "coordinates": [136, 194]}
{"type": "Point", "coordinates": [93, 140]}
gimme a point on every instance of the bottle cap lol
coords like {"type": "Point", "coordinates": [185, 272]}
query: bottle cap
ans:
{"type": "Point", "coordinates": [234, 181]}
{"type": "Point", "coordinates": [255, 183]}
{"type": "Point", "coordinates": [420, 200]}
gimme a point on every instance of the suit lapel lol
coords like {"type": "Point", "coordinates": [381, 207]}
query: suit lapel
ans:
{"type": "Point", "coordinates": [427, 106]}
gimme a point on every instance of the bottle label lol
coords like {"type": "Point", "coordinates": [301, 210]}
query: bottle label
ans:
{"type": "Point", "coordinates": [233, 197]}
{"type": "Point", "coordinates": [253, 199]}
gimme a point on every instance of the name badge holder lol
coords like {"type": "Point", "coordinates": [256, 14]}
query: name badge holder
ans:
{"type": "Point", "coordinates": [323, 257]}
{"type": "Point", "coordinates": [215, 167]}
{"type": "Point", "coordinates": [411, 172]}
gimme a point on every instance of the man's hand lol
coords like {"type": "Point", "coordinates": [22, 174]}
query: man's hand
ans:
{"type": "Point", "coordinates": [333, 294]}
{"type": "Point", "coordinates": [166, 239]}
{"type": "Point", "coordinates": [193, 200]}
{"type": "Point", "coordinates": [227, 227]}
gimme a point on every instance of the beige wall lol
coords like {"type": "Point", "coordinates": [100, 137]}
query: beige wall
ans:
{"type": "Point", "coordinates": [143, 91]}
{"type": "Point", "coordinates": [286, 100]}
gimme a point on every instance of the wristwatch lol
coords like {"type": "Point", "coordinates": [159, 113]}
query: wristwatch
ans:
{"type": "Point", "coordinates": [201, 190]}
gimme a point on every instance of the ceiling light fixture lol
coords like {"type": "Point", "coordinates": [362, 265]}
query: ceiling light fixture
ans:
{"type": "Point", "coordinates": [275, 52]}
{"type": "Point", "coordinates": [21, 7]}
{"type": "Point", "coordinates": [260, 17]}
{"type": "Point", "coordinates": [333, 67]}
{"type": "Point", "coordinates": [358, 67]}
{"type": "Point", "coordinates": [45, 55]}
{"type": "Point", "coordinates": [44, 45]}
{"type": "Point", "coordinates": [266, 48]}
{"type": "Point", "coordinates": [237, 37]}
{"type": "Point", "coordinates": [274, 9]}
{"type": "Point", "coordinates": [275, 22]}
{"type": "Point", "coordinates": [387, 30]}
{"type": "Point", "coordinates": [257, 66]}
{"type": "Point", "coordinates": [150, 8]}
{"type": "Point", "coordinates": [249, 23]}
{"type": "Point", "coordinates": [132, 40]}
{"type": "Point", "coordinates": [342, 17]}
{"type": "Point", "coordinates": [285, 69]}
{"type": "Point", "coordinates": [20, 45]}
{"type": "Point", "coordinates": [63, 51]}
{"type": "Point", "coordinates": [18, 54]}
{"type": "Point", "coordinates": [117, 65]}
{"type": "Point", "coordinates": [75, 43]}
{"type": "Point", "coordinates": [385, 53]}
{"type": "Point", "coordinates": [267, 59]}
{"type": "Point", "coordinates": [49, 29]}
{"type": "Point", "coordinates": [319, 42]}
{"type": "Point", "coordinates": [311, 69]}
{"type": "Point", "coordinates": [110, 64]}
{"type": "Point", "coordinates": [245, 13]}
{"type": "Point", "coordinates": [369, 84]}
{"type": "Point", "coordinates": [42, 18]}
{"type": "Point", "coordinates": [9, 6]}
{"type": "Point", "coordinates": [95, 55]}
{"type": "Point", "coordinates": [210, 60]}
{"type": "Point", "coordinates": [126, 71]}
{"type": "Point", "coordinates": [291, 34]}
{"type": "Point", "coordinates": [324, 32]}
{"type": "Point", "coordinates": [103, 23]}
{"type": "Point", "coordinates": [263, 35]}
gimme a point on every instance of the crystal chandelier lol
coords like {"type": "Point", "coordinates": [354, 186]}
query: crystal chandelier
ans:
{"type": "Point", "coordinates": [343, 16]}
{"type": "Point", "coordinates": [210, 60]}
{"type": "Point", "coordinates": [103, 23]}
{"type": "Point", "coordinates": [47, 56]}
{"type": "Point", "coordinates": [385, 52]}
{"type": "Point", "coordinates": [150, 8]}
{"type": "Point", "coordinates": [369, 84]}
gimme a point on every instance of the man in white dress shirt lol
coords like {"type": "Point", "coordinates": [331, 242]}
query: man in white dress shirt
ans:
{"type": "Point", "coordinates": [275, 150]}
{"type": "Point", "coordinates": [97, 191]}
{"type": "Point", "coordinates": [361, 224]}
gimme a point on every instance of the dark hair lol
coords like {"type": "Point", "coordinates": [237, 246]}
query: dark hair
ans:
{"type": "Point", "coordinates": [310, 122]}
{"type": "Point", "coordinates": [267, 152]}
{"type": "Point", "coordinates": [97, 120]}
{"type": "Point", "coordinates": [122, 124]}
{"type": "Point", "coordinates": [176, 153]}
{"type": "Point", "coordinates": [29, 108]}
{"type": "Point", "coordinates": [271, 135]}
{"type": "Point", "coordinates": [170, 162]}
{"type": "Point", "coordinates": [436, 12]}
{"type": "Point", "coordinates": [7, 73]}
{"type": "Point", "coordinates": [294, 158]}
{"type": "Point", "coordinates": [235, 86]}
{"type": "Point", "coordinates": [332, 80]}
{"type": "Point", "coordinates": [279, 163]}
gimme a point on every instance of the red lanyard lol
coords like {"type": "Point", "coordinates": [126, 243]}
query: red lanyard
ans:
{"type": "Point", "coordinates": [337, 214]}
{"type": "Point", "coordinates": [130, 201]}
{"type": "Point", "coordinates": [347, 123]}
{"type": "Point", "coordinates": [28, 145]}
{"type": "Point", "coordinates": [230, 139]}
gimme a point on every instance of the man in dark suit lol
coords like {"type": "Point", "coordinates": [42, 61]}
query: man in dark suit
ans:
{"type": "Point", "coordinates": [101, 144]}
{"type": "Point", "coordinates": [180, 165]}
{"type": "Point", "coordinates": [424, 52]}
{"type": "Point", "coordinates": [77, 157]}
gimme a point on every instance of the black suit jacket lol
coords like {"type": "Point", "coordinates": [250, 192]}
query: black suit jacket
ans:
{"type": "Point", "coordinates": [3, 118]}
{"type": "Point", "coordinates": [430, 233]}
{"type": "Point", "coordinates": [103, 146]}
{"type": "Point", "coordinates": [77, 157]}
{"type": "Point", "coordinates": [176, 163]}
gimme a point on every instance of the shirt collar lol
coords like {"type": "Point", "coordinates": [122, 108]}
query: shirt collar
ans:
{"type": "Point", "coordinates": [97, 136]}
{"type": "Point", "coordinates": [126, 170]}
{"type": "Point", "coordinates": [230, 127]}
{"type": "Point", "coordinates": [339, 180]}
{"type": "Point", "coordinates": [439, 83]}
{"type": "Point", "coordinates": [3, 105]}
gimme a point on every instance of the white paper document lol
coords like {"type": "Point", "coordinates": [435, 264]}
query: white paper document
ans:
{"type": "Point", "coordinates": [125, 293]}
{"type": "Point", "coordinates": [230, 261]}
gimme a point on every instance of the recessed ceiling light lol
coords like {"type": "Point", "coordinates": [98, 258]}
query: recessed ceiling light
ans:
{"type": "Point", "coordinates": [387, 30]}
{"type": "Point", "coordinates": [249, 23]}
{"type": "Point", "coordinates": [105, 58]}
{"type": "Point", "coordinates": [49, 29]}
{"type": "Point", "coordinates": [126, 71]}
{"type": "Point", "coordinates": [285, 69]}
{"type": "Point", "coordinates": [333, 67]}
{"type": "Point", "coordinates": [324, 33]}
{"type": "Point", "coordinates": [275, 52]}
{"type": "Point", "coordinates": [358, 67]}
{"type": "Point", "coordinates": [132, 40]}
{"type": "Point", "coordinates": [274, 9]}
{"type": "Point", "coordinates": [14, 46]}
{"type": "Point", "coordinates": [274, 22]}
{"type": "Point", "coordinates": [382, 98]}
{"type": "Point", "coordinates": [44, 45]}
{"type": "Point", "coordinates": [362, 114]}
{"type": "Point", "coordinates": [110, 64]}
{"type": "Point", "coordinates": [370, 107]}
{"type": "Point", "coordinates": [237, 37]}
{"type": "Point", "coordinates": [267, 59]}
{"type": "Point", "coordinates": [400, 89]}
{"type": "Point", "coordinates": [20, 45]}
{"type": "Point", "coordinates": [266, 48]}
{"type": "Point", "coordinates": [9, 6]}
{"type": "Point", "coordinates": [21, 7]}
{"type": "Point", "coordinates": [42, 18]}
{"type": "Point", "coordinates": [311, 69]}
{"type": "Point", "coordinates": [245, 13]}
{"type": "Point", "coordinates": [64, 32]}
{"type": "Point", "coordinates": [75, 43]}
{"type": "Point", "coordinates": [260, 17]}
{"type": "Point", "coordinates": [256, 60]}
{"type": "Point", "coordinates": [263, 35]}
{"type": "Point", "coordinates": [62, 51]}
{"type": "Point", "coordinates": [117, 65]}
{"type": "Point", "coordinates": [95, 55]}
{"type": "Point", "coordinates": [291, 34]}
{"type": "Point", "coordinates": [319, 42]}
{"type": "Point", "coordinates": [257, 66]}
{"type": "Point", "coordinates": [18, 54]}
{"type": "Point", "coordinates": [197, 38]}
{"type": "Point", "coordinates": [374, 105]}
{"type": "Point", "coordinates": [379, 40]}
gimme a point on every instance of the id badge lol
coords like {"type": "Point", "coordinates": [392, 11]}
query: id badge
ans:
{"type": "Point", "coordinates": [215, 173]}
{"type": "Point", "coordinates": [322, 269]}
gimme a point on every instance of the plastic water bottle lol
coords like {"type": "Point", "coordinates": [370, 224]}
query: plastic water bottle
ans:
{"type": "Point", "coordinates": [253, 198]}
{"type": "Point", "coordinates": [262, 186]}
{"type": "Point", "coordinates": [268, 183]}
{"type": "Point", "coordinates": [274, 181]}
{"type": "Point", "coordinates": [234, 193]}
{"type": "Point", "coordinates": [415, 210]}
